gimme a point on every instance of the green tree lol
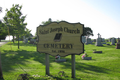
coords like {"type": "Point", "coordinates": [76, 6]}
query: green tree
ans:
{"type": "Point", "coordinates": [47, 22]}
{"type": "Point", "coordinates": [14, 19]}
{"type": "Point", "coordinates": [88, 32]}
{"type": "Point", "coordinates": [27, 33]}
{"type": "Point", "coordinates": [3, 31]}
{"type": "Point", "coordinates": [1, 75]}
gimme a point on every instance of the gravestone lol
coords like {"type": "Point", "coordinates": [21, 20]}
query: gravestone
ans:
{"type": "Point", "coordinates": [88, 41]}
{"type": "Point", "coordinates": [115, 40]}
{"type": "Point", "coordinates": [103, 40]}
{"type": "Point", "coordinates": [97, 51]}
{"type": "Point", "coordinates": [60, 60]}
{"type": "Point", "coordinates": [83, 39]}
{"type": "Point", "coordinates": [100, 37]}
{"type": "Point", "coordinates": [32, 41]}
{"type": "Point", "coordinates": [94, 40]}
{"type": "Point", "coordinates": [98, 41]}
{"type": "Point", "coordinates": [118, 44]}
{"type": "Point", "coordinates": [107, 40]}
{"type": "Point", "coordinates": [87, 58]}
{"type": "Point", "coordinates": [112, 41]}
{"type": "Point", "coordinates": [26, 40]}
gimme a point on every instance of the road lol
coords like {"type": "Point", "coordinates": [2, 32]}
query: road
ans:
{"type": "Point", "coordinates": [2, 43]}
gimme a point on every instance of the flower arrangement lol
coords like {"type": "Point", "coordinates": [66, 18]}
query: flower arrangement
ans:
{"type": "Point", "coordinates": [57, 57]}
{"type": "Point", "coordinates": [84, 55]}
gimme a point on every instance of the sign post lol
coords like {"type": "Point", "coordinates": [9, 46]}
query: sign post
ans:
{"type": "Point", "coordinates": [73, 66]}
{"type": "Point", "coordinates": [47, 63]}
{"type": "Point", "coordinates": [60, 38]}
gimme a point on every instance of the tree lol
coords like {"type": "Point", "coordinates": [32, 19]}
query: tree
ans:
{"type": "Point", "coordinates": [46, 22]}
{"type": "Point", "coordinates": [27, 33]}
{"type": "Point", "coordinates": [3, 30]}
{"type": "Point", "coordinates": [87, 32]}
{"type": "Point", "coordinates": [15, 21]}
{"type": "Point", "coordinates": [1, 26]}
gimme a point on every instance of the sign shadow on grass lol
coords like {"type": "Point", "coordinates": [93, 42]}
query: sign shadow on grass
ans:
{"type": "Point", "coordinates": [12, 58]}
{"type": "Point", "coordinates": [83, 67]}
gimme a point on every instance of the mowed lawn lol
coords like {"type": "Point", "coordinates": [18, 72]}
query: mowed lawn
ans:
{"type": "Point", "coordinates": [104, 66]}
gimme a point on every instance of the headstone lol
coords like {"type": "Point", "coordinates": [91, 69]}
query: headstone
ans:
{"type": "Point", "coordinates": [98, 41]}
{"type": "Point", "coordinates": [98, 35]}
{"type": "Point", "coordinates": [112, 41]}
{"type": "Point", "coordinates": [88, 41]}
{"type": "Point", "coordinates": [83, 39]}
{"type": "Point", "coordinates": [87, 58]}
{"type": "Point", "coordinates": [32, 41]}
{"type": "Point", "coordinates": [26, 40]}
{"type": "Point", "coordinates": [115, 40]}
{"type": "Point", "coordinates": [100, 38]}
{"type": "Point", "coordinates": [118, 44]}
{"type": "Point", "coordinates": [97, 51]}
{"type": "Point", "coordinates": [94, 40]}
{"type": "Point", "coordinates": [106, 40]}
{"type": "Point", "coordinates": [103, 40]}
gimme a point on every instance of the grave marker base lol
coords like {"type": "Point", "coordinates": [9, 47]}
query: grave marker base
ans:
{"type": "Point", "coordinates": [87, 58]}
{"type": "Point", "coordinates": [60, 60]}
{"type": "Point", "coordinates": [97, 52]}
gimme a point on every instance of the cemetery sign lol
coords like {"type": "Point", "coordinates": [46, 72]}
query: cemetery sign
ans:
{"type": "Point", "coordinates": [60, 38]}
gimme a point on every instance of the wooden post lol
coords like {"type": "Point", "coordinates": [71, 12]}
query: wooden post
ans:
{"type": "Point", "coordinates": [73, 65]}
{"type": "Point", "coordinates": [47, 63]}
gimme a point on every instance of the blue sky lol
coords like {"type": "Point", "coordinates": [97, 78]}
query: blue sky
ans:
{"type": "Point", "coordinates": [102, 16]}
{"type": "Point", "coordinates": [108, 7]}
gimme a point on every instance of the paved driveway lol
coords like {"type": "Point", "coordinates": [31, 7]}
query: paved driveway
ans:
{"type": "Point", "coordinates": [2, 43]}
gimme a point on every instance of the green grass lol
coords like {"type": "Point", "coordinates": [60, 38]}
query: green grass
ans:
{"type": "Point", "coordinates": [5, 40]}
{"type": "Point", "coordinates": [104, 66]}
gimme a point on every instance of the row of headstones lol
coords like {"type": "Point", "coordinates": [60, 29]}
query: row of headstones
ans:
{"type": "Point", "coordinates": [98, 41]}
{"type": "Point", "coordinates": [25, 40]}
{"type": "Point", "coordinates": [86, 40]}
